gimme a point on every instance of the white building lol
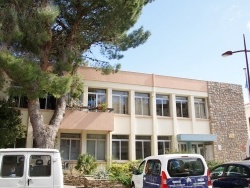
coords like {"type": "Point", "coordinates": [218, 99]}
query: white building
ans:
{"type": "Point", "coordinates": [149, 114]}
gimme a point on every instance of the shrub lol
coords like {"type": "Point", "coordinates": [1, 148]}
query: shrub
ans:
{"type": "Point", "coordinates": [86, 164]}
{"type": "Point", "coordinates": [102, 174]}
{"type": "Point", "coordinates": [211, 164]}
{"type": "Point", "coordinates": [122, 172]}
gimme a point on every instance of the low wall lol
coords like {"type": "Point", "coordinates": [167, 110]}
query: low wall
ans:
{"type": "Point", "coordinates": [90, 182]}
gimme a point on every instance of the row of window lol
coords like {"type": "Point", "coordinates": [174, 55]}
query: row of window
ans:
{"type": "Point", "coordinates": [142, 103]}
{"type": "Point", "coordinates": [96, 145]}
{"type": "Point", "coordinates": [120, 103]}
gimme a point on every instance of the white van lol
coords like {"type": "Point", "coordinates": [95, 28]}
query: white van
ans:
{"type": "Point", "coordinates": [30, 167]}
{"type": "Point", "coordinates": [172, 171]}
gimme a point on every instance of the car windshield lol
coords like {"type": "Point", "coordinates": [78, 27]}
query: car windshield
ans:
{"type": "Point", "coordinates": [181, 167]}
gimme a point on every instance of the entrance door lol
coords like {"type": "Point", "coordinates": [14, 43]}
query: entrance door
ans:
{"type": "Point", "coordinates": [12, 170]}
{"type": "Point", "coordinates": [198, 148]}
{"type": "Point", "coordinates": [40, 171]}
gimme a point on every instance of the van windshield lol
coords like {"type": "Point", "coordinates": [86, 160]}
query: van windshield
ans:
{"type": "Point", "coordinates": [181, 167]}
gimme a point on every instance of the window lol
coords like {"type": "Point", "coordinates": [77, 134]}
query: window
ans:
{"type": "Point", "coordinates": [48, 102]}
{"type": "Point", "coordinates": [96, 96]}
{"type": "Point", "coordinates": [217, 172]}
{"type": "Point", "coordinates": [153, 167]}
{"type": "Point", "coordinates": [141, 167]}
{"type": "Point", "coordinates": [70, 146]}
{"type": "Point", "coordinates": [162, 105]}
{"type": "Point", "coordinates": [12, 166]}
{"type": "Point", "coordinates": [182, 106]}
{"type": "Point", "coordinates": [120, 147]}
{"type": "Point", "coordinates": [19, 101]}
{"type": "Point", "coordinates": [141, 103]}
{"type": "Point", "coordinates": [96, 145]}
{"type": "Point", "coordinates": [182, 147]}
{"type": "Point", "coordinates": [69, 100]}
{"type": "Point", "coordinates": [200, 108]}
{"type": "Point", "coordinates": [40, 165]}
{"type": "Point", "coordinates": [181, 167]}
{"type": "Point", "coordinates": [143, 146]}
{"type": "Point", "coordinates": [164, 144]}
{"type": "Point", "coordinates": [120, 102]}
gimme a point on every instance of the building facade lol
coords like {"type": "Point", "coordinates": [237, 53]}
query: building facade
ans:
{"type": "Point", "coordinates": [148, 114]}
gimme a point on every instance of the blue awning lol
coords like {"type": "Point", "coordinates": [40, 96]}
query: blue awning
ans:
{"type": "Point", "coordinates": [197, 137]}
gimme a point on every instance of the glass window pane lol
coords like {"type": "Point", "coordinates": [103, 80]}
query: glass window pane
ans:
{"type": "Point", "coordinates": [64, 149]}
{"type": "Point", "coordinates": [138, 106]}
{"type": "Point", "coordinates": [75, 149]}
{"type": "Point", "coordinates": [197, 110]}
{"type": "Point", "coordinates": [101, 150]}
{"type": "Point", "coordinates": [166, 108]}
{"type": "Point", "coordinates": [40, 165]}
{"type": "Point", "coordinates": [145, 106]}
{"type": "Point", "coordinates": [101, 99]}
{"type": "Point", "coordinates": [178, 109]}
{"type": "Point", "coordinates": [124, 150]}
{"type": "Point", "coordinates": [115, 150]}
{"type": "Point", "coordinates": [124, 105]}
{"type": "Point", "coordinates": [159, 107]}
{"type": "Point", "coordinates": [91, 147]}
{"type": "Point", "coordinates": [116, 104]}
{"type": "Point", "coordinates": [120, 102]}
{"type": "Point", "coordinates": [12, 166]}
{"type": "Point", "coordinates": [138, 148]}
{"type": "Point", "coordinates": [202, 110]}
{"type": "Point", "coordinates": [147, 149]}
{"type": "Point", "coordinates": [92, 100]}
{"type": "Point", "coordinates": [160, 148]}
{"type": "Point", "coordinates": [185, 109]}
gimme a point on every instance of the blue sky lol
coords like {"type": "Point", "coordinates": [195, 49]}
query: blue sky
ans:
{"type": "Point", "coordinates": [188, 38]}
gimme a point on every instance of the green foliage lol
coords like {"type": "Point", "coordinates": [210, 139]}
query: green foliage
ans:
{"type": "Point", "coordinates": [34, 77]}
{"type": "Point", "coordinates": [102, 174]}
{"type": "Point", "coordinates": [211, 164]}
{"type": "Point", "coordinates": [43, 43]}
{"type": "Point", "coordinates": [11, 127]}
{"type": "Point", "coordinates": [86, 164]}
{"type": "Point", "coordinates": [122, 172]}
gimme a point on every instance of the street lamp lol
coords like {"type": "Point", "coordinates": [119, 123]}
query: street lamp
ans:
{"type": "Point", "coordinates": [228, 53]}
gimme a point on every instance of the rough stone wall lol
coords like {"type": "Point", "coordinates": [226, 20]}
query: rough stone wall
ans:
{"type": "Point", "coordinates": [227, 121]}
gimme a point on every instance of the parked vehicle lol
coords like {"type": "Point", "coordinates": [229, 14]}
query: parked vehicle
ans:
{"type": "Point", "coordinates": [30, 167]}
{"type": "Point", "coordinates": [172, 170]}
{"type": "Point", "coordinates": [231, 175]}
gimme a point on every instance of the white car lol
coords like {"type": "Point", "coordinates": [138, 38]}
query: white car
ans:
{"type": "Point", "coordinates": [172, 170]}
{"type": "Point", "coordinates": [30, 167]}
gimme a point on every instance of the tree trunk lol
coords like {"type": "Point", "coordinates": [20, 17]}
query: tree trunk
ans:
{"type": "Point", "coordinates": [43, 134]}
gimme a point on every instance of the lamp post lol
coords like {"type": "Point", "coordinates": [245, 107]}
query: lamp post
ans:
{"type": "Point", "coordinates": [228, 53]}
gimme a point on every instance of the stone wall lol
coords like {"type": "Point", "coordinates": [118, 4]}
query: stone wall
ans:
{"type": "Point", "coordinates": [89, 182]}
{"type": "Point", "coordinates": [227, 121]}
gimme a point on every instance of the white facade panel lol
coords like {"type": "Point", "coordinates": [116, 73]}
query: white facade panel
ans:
{"type": "Point", "coordinates": [122, 125]}
{"type": "Point", "coordinates": [144, 126]}
{"type": "Point", "coordinates": [184, 126]}
{"type": "Point", "coordinates": [165, 126]}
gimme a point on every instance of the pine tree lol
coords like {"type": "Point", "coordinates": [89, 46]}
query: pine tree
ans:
{"type": "Point", "coordinates": [11, 127]}
{"type": "Point", "coordinates": [43, 42]}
